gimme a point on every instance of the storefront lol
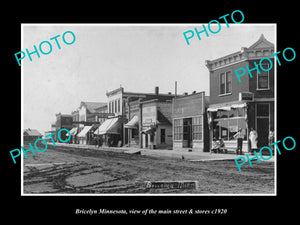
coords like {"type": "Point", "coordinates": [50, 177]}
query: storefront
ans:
{"type": "Point", "coordinates": [156, 132]}
{"type": "Point", "coordinates": [110, 132]}
{"type": "Point", "coordinates": [73, 133]}
{"type": "Point", "coordinates": [190, 122]}
{"type": "Point", "coordinates": [133, 131]}
{"type": "Point", "coordinates": [224, 122]}
{"type": "Point", "coordinates": [83, 136]}
{"type": "Point", "coordinates": [227, 118]}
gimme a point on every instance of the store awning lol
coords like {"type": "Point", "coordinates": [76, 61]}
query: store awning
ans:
{"type": "Point", "coordinates": [149, 130]}
{"type": "Point", "coordinates": [133, 123]}
{"type": "Point", "coordinates": [109, 126]}
{"type": "Point", "coordinates": [73, 131]}
{"type": "Point", "coordinates": [242, 105]}
{"type": "Point", "coordinates": [84, 131]}
{"type": "Point", "coordinates": [226, 107]}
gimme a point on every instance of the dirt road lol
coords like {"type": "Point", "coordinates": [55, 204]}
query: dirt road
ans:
{"type": "Point", "coordinates": [63, 170]}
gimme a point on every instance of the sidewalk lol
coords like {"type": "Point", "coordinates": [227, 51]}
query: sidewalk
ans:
{"type": "Point", "coordinates": [194, 156]}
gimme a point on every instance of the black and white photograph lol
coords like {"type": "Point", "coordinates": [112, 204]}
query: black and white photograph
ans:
{"type": "Point", "coordinates": [186, 113]}
{"type": "Point", "coordinates": [139, 109]}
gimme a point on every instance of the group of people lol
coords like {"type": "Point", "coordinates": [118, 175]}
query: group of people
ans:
{"type": "Point", "coordinates": [218, 146]}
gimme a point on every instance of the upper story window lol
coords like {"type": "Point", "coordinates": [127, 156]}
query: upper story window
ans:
{"type": "Point", "coordinates": [263, 78]}
{"type": "Point", "coordinates": [225, 83]}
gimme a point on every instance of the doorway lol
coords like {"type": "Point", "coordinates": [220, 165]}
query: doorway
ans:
{"type": "Point", "coordinates": [187, 132]}
{"type": "Point", "coordinates": [263, 131]}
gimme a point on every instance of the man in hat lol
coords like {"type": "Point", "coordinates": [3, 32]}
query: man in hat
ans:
{"type": "Point", "coordinates": [239, 136]}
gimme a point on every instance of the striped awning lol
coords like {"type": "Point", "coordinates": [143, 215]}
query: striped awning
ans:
{"type": "Point", "coordinates": [226, 107]}
{"type": "Point", "coordinates": [133, 123]}
{"type": "Point", "coordinates": [84, 131]}
{"type": "Point", "coordinates": [110, 126]}
{"type": "Point", "coordinates": [73, 131]}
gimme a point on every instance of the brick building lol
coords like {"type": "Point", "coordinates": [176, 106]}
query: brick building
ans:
{"type": "Point", "coordinates": [242, 105]}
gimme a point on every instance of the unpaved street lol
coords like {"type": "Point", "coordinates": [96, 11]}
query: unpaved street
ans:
{"type": "Point", "coordinates": [62, 170]}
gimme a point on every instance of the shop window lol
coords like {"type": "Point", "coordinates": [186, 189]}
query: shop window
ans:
{"type": "Point", "coordinates": [240, 112]}
{"type": "Point", "coordinates": [227, 123]}
{"type": "Point", "coordinates": [178, 129]}
{"type": "Point", "coordinates": [197, 128]}
{"type": "Point", "coordinates": [232, 128]}
{"type": "Point", "coordinates": [243, 125]}
{"type": "Point", "coordinates": [224, 129]}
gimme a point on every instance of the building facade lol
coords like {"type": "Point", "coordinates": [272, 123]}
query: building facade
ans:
{"type": "Point", "coordinates": [30, 135]}
{"type": "Point", "coordinates": [128, 106]}
{"type": "Point", "coordinates": [190, 122]}
{"type": "Point", "coordinates": [156, 125]}
{"type": "Point", "coordinates": [63, 121]}
{"type": "Point", "coordinates": [242, 105]}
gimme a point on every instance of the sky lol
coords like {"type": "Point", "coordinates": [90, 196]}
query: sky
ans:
{"type": "Point", "coordinates": [104, 57]}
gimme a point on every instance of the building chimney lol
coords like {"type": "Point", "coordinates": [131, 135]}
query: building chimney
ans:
{"type": "Point", "coordinates": [185, 93]}
{"type": "Point", "coordinates": [156, 90]}
{"type": "Point", "coordinates": [169, 93]}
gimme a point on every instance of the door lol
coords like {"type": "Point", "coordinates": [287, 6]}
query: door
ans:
{"type": "Point", "coordinates": [262, 131]}
{"type": "Point", "coordinates": [262, 123]}
{"type": "Point", "coordinates": [162, 136]}
{"type": "Point", "coordinates": [187, 132]}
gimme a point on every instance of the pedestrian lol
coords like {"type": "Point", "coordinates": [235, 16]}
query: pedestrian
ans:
{"type": "Point", "coordinates": [253, 140]}
{"type": "Point", "coordinates": [215, 146]}
{"type": "Point", "coordinates": [239, 136]}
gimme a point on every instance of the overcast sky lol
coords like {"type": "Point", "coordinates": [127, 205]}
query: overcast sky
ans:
{"type": "Point", "coordinates": [104, 56]}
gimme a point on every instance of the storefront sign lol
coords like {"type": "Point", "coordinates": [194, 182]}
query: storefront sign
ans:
{"type": "Point", "coordinates": [246, 96]}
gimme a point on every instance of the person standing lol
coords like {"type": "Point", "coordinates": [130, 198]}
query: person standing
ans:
{"type": "Point", "coordinates": [239, 136]}
{"type": "Point", "coordinates": [253, 140]}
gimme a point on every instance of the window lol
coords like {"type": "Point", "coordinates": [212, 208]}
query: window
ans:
{"type": "Point", "coordinates": [116, 106]}
{"type": "Point", "coordinates": [197, 128]}
{"type": "Point", "coordinates": [109, 107]}
{"type": "Point", "coordinates": [178, 129]}
{"type": "Point", "coordinates": [225, 83]}
{"type": "Point", "coordinates": [263, 78]}
{"type": "Point", "coordinates": [227, 123]}
{"type": "Point", "coordinates": [222, 83]}
{"type": "Point", "coordinates": [112, 107]}
{"type": "Point", "coordinates": [119, 105]}
{"type": "Point", "coordinates": [163, 136]}
{"type": "Point", "coordinates": [228, 82]}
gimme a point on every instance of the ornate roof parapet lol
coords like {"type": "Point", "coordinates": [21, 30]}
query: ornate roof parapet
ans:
{"type": "Point", "coordinates": [261, 48]}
